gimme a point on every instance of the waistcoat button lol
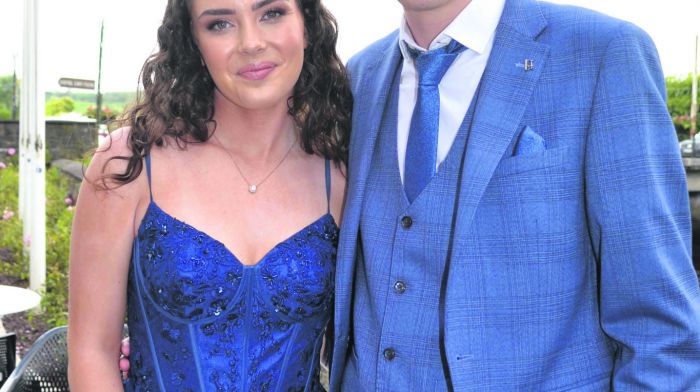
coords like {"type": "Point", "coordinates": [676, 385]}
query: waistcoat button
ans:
{"type": "Point", "coordinates": [399, 287]}
{"type": "Point", "coordinates": [389, 354]}
{"type": "Point", "coordinates": [406, 222]}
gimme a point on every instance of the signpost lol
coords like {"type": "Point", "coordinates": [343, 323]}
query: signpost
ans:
{"type": "Point", "coordinates": [98, 110]}
{"type": "Point", "coordinates": [77, 83]}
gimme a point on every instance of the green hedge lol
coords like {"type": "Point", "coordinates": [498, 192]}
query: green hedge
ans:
{"type": "Point", "coordinates": [59, 216]}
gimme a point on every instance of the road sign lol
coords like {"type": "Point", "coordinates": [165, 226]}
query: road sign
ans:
{"type": "Point", "coordinates": [77, 83]}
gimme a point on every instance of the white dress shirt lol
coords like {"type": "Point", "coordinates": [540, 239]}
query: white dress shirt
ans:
{"type": "Point", "coordinates": [475, 28]}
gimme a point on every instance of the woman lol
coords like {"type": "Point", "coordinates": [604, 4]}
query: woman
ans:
{"type": "Point", "coordinates": [195, 219]}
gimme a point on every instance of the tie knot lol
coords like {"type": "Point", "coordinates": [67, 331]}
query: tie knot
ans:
{"type": "Point", "coordinates": [432, 65]}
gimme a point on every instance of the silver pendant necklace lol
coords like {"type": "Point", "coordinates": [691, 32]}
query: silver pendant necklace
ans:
{"type": "Point", "coordinates": [253, 187]}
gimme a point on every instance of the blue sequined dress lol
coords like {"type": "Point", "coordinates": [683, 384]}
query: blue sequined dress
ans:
{"type": "Point", "coordinates": [199, 320]}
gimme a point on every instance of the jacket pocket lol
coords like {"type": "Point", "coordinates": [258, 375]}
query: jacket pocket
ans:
{"type": "Point", "coordinates": [524, 163]}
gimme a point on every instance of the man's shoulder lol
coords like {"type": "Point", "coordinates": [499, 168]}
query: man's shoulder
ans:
{"type": "Point", "coordinates": [573, 15]}
{"type": "Point", "coordinates": [373, 53]}
{"type": "Point", "coordinates": [569, 24]}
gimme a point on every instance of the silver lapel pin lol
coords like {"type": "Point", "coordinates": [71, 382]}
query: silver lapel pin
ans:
{"type": "Point", "coordinates": [529, 65]}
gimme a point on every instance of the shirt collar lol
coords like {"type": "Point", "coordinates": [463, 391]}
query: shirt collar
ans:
{"type": "Point", "coordinates": [473, 27]}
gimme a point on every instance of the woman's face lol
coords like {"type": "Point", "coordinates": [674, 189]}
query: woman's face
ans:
{"type": "Point", "coordinates": [254, 49]}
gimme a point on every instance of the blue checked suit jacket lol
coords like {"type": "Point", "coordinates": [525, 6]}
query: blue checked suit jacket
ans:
{"type": "Point", "coordinates": [571, 267]}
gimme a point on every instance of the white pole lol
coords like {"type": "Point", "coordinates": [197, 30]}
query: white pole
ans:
{"type": "Point", "coordinates": [34, 190]}
{"type": "Point", "coordinates": [694, 98]}
{"type": "Point", "coordinates": [28, 33]}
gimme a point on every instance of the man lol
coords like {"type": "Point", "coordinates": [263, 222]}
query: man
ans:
{"type": "Point", "coordinates": [548, 247]}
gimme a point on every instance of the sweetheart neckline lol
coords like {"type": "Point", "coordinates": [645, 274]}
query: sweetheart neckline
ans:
{"type": "Point", "coordinates": [220, 244]}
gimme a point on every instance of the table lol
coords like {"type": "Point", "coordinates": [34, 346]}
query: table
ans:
{"type": "Point", "coordinates": [16, 299]}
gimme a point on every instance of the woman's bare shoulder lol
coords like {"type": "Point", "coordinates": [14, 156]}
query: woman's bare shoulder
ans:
{"type": "Point", "coordinates": [107, 199]}
{"type": "Point", "coordinates": [108, 157]}
{"type": "Point", "coordinates": [111, 159]}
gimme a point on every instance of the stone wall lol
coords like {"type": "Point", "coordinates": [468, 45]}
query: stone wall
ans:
{"type": "Point", "coordinates": [64, 139]}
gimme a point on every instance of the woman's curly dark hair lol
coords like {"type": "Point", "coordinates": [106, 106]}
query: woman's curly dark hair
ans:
{"type": "Point", "coordinates": [178, 93]}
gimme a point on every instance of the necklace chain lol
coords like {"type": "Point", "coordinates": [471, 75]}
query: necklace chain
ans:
{"type": "Point", "coordinates": [253, 188]}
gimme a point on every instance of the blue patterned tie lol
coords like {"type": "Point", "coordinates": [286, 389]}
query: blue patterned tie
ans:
{"type": "Point", "coordinates": [421, 150]}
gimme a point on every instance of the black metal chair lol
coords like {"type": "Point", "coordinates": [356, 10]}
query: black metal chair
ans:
{"type": "Point", "coordinates": [44, 367]}
{"type": "Point", "coordinates": [8, 344]}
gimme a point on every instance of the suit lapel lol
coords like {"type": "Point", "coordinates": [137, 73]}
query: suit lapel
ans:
{"type": "Point", "coordinates": [506, 89]}
{"type": "Point", "coordinates": [370, 102]}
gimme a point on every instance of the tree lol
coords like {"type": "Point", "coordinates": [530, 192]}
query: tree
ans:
{"type": "Point", "coordinates": [5, 113]}
{"type": "Point", "coordinates": [6, 91]}
{"type": "Point", "coordinates": [56, 106]}
{"type": "Point", "coordinates": [679, 97]}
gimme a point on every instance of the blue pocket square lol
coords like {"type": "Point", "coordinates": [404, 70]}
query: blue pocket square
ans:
{"type": "Point", "coordinates": [529, 143]}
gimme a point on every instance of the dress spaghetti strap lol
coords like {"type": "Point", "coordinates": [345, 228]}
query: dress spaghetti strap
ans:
{"type": "Point", "coordinates": [148, 175]}
{"type": "Point", "coordinates": [328, 186]}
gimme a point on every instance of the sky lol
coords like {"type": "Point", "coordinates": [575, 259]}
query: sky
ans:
{"type": "Point", "coordinates": [69, 33]}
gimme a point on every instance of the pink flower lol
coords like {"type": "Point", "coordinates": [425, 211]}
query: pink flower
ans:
{"type": "Point", "coordinates": [2, 165]}
{"type": "Point", "coordinates": [11, 151]}
{"type": "Point", "coordinates": [68, 201]}
{"type": "Point", "coordinates": [7, 214]}
{"type": "Point", "coordinates": [27, 240]}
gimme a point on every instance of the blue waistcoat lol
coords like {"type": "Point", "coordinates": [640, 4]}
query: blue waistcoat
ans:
{"type": "Point", "coordinates": [399, 270]}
